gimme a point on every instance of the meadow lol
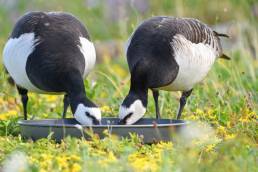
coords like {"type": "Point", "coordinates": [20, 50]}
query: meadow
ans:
{"type": "Point", "coordinates": [223, 107]}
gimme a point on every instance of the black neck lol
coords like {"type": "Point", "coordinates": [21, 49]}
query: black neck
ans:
{"type": "Point", "coordinates": [76, 91]}
{"type": "Point", "coordinates": [138, 89]}
{"type": "Point", "coordinates": [142, 95]}
{"type": "Point", "coordinates": [75, 100]}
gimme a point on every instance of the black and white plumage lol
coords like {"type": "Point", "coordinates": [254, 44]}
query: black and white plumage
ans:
{"type": "Point", "coordinates": [51, 52]}
{"type": "Point", "coordinates": [167, 53]}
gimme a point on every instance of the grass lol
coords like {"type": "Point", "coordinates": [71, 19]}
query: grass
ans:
{"type": "Point", "coordinates": [224, 106]}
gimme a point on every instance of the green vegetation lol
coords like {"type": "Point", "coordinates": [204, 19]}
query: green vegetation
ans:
{"type": "Point", "coordinates": [226, 100]}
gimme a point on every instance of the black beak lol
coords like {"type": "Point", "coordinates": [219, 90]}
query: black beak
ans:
{"type": "Point", "coordinates": [94, 119]}
{"type": "Point", "coordinates": [96, 122]}
{"type": "Point", "coordinates": [123, 121]}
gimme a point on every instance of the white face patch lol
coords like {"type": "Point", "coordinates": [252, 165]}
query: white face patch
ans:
{"type": "Point", "coordinates": [136, 108]}
{"type": "Point", "coordinates": [88, 50]}
{"type": "Point", "coordinates": [15, 56]}
{"type": "Point", "coordinates": [82, 118]}
{"type": "Point", "coordinates": [194, 61]}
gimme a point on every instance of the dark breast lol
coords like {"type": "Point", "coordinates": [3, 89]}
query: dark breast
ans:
{"type": "Point", "coordinates": [153, 37]}
{"type": "Point", "coordinates": [56, 52]}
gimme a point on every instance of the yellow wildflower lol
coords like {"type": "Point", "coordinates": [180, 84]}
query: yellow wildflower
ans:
{"type": "Point", "coordinates": [42, 170]}
{"type": "Point", "coordinates": [247, 115]}
{"type": "Point", "coordinates": [106, 109]}
{"type": "Point", "coordinates": [119, 70]}
{"type": "Point", "coordinates": [76, 167]}
{"type": "Point", "coordinates": [45, 115]}
{"type": "Point", "coordinates": [3, 117]}
{"type": "Point", "coordinates": [191, 117]}
{"type": "Point", "coordinates": [196, 142]}
{"type": "Point", "coordinates": [103, 94]}
{"type": "Point", "coordinates": [11, 100]}
{"type": "Point", "coordinates": [62, 161]}
{"type": "Point", "coordinates": [75, 158]}
{"type": "Point", "coordinates": [98, 152]}
{"type": "Point", "coordinates": [229, 136]}
{"type": "Point", "coordinates": [229, 124]}
{"type": "Point", "coordinates": [243, 119]}
{"type": "Point", "coordinates": [9, 114]}
{"type": "Point", "coordinates": [45, 161]}
{"type": "Point", "coordinates": [163, 146]}
{"type": "Point", "coordinates": [2, 101]}
{"type": "Point", "coordinates": [109, 158]}
{"type": "Point", "coordinates": [199, 112]}
{"type": "Point", "coordinates": [51, 98]}
{"type": "Point", "coordinates": [12, 112]}
{"type": "Point", "coordinates": [221, 130]}
{"type": "Point", "coordinates": [210, 147]}
{"type": "Point", "coordinates": [106, 57]}
{"type": "Point", "coordinates": [46, 156]}
{"type": "Point", "coordinates": [210, 112]}
{"type": "Point", "coordinates": [143, 162]}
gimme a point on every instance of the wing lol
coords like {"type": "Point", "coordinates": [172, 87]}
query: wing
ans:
{"type": "Point", "coordinates": [194, 31]}
{"type": "Point", "coordinates": [153, 74]}
{"type": "Point", "coordinates": [198, 32]}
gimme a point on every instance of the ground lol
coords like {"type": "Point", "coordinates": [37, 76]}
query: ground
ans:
{"type": "Point", "coordinates": [225, 134]}
{"type": "Point", "coordinates": [223, 109]}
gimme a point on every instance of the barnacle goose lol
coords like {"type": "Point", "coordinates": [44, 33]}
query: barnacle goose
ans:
{"type": "Point", "coordinates": [51, 53]}
{"type": "Point", "coordinates": [167, 53]}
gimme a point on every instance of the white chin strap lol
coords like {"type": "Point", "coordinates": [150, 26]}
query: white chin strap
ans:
{"type": "Point", "coordinates": [136, 108]}
{"type": "Point", "coordinates": [133, 119]}
{"type": "Point", "coordinates": [82, 118]}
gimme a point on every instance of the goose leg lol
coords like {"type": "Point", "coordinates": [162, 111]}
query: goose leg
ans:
{"type": "Point", "coordinates": [24, 99]}
{"type": "Point", "coordinates": [66, 104]}
{"type": "Point", "coordinates": [156, 99]}
{"type": "Point", "coordinates": [183, 99]}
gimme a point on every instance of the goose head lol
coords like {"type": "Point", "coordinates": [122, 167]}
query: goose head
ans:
{"type": "Point", "coordinates": [87, 115]}
{"type": "Point", "coordinates": [132, 109]}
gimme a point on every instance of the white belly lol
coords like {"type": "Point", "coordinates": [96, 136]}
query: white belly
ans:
{"type": "Point", "coordinates": [17, 51]}
{"type": "Point", "coordinates": [88, 50]}
{"type": "Point", "coordinates": [15, 55]}
{"type": "Point", "coordinates": [194, 61]}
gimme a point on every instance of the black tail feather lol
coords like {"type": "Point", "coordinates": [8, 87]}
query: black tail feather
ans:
{"type": "Point", "coordinates": [220, 34]}
{"type": "Point", "coordinates": [223, 56]}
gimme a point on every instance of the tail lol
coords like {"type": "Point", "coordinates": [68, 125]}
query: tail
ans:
{"type": "Point", "coordinates": [220, 34]}
{"type": "Point", "coordinates": [222, 56]}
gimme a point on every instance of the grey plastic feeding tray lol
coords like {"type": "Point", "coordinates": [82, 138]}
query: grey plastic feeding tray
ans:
{"type": "Point", "coordinates": [151, 129]}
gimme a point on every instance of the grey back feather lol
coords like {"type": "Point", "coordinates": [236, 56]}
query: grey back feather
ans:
{"type": "Point", "coordinates": [198, 32]}
{"type": "Point", "coordinates": [195, 31]}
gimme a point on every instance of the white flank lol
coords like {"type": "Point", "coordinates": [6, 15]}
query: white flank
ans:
{"type": "Point", "coordinates": [82, 118]}
{"type": "Point", "coordinates": [194, 61]}
{"type": "Point", "coordinates": [15, 55]}
{"type": "Point", "coordinates": [136, 108]}
{"type": "Point", "coordinates": [88, 50]}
